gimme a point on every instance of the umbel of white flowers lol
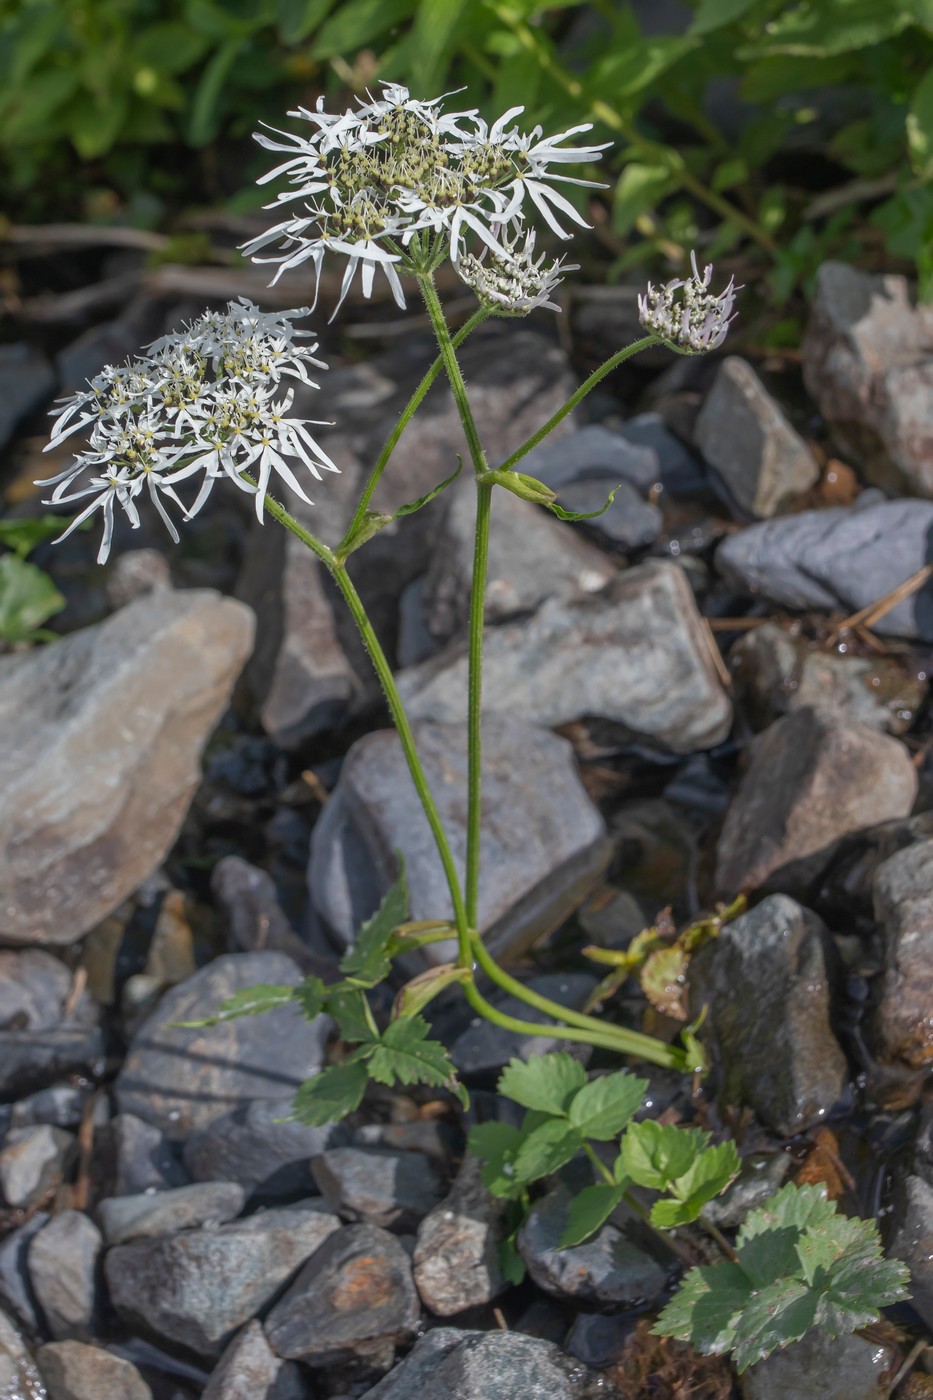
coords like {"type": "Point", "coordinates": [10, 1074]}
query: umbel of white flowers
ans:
{"type": "Point", "coordinates": [686, 314]}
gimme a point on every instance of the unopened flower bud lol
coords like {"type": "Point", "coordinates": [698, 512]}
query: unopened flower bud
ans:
{"type": "Point", "coordinates": [685, 314]}
{"type": "Point", "coordinates": [526, 487]}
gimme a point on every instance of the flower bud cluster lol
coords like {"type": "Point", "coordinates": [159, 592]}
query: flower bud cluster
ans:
{"type": "Point", "coordinates": [513, 282]}
{"type": "Point", "coordinates": [205, 402]}
{"type": "Point", "coordinates": [685, 314]}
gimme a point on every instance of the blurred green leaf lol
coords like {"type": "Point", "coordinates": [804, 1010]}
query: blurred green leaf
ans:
{"type": "Point", "coordinates": [359, 22]}
{"type": "Point", "coordinates": [28, 598]}
{"type": "Point", "coordinates": [713, 14]}
{"type": "Point", "coordinates": [920, 128]}
{"type": "Point", "coordinates": [22, 536]}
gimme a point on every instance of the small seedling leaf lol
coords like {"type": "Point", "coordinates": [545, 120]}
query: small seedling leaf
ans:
{"type": "Point", "coordinates": [369, 960]}
{"type": "Point", "coordinates": [656, 1154]}
{"type": "Point", "coordinates": [590, 1209]}
{"type": "Point", "coordinates": [545, 1149]}
{"type": "Point", "coordinates": [602, 1108]}
{"type": "Point", "coordinates": [497, 1144]}
{"type": "Point", "coordinates": [331, 1095]}
{"type": "Point", "coordinates": [545, 1082]}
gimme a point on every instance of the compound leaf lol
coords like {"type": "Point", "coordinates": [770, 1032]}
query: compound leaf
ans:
{"type": "Point", "coordinates": [331, 1095]}
{"type": "Point", "coordinates": [590, 1209]}
{"type": "Point", "coordinates": [251, 1001]}
{"type": "Point", "coordinates": [711, 1173]}
{"type": "Point", "coordinates": [28, 597]}
{"type": "Point", "coordinates": [369, 960]}
{"type": "Point", "coordinates": [347, 1005]}
{"type": "Point", "coordinates": [545, 1149]}
{"type": "Point", "coordinates": [497, 1145]}
{"type": "Point", "coordinates": [311, 995]}
{"type": "Point", "coordinates": [546, 1082]}
{"type": "Point", "coordinates": [656, 1154]}
{"type": "Point", "coordinates": [404, 1054]}
{"type": "Point", "coordinates": [602, 1108]}
{"type": "Point", "coordinates": [773, 1317]}
{"type": "Point", "coordinates": [706, 1308]}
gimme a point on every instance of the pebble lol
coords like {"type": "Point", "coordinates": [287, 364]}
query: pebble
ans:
{"type": "Point", "coordinates": [74, 1371]}
{"type": "Point", "coordinates": [543, 840]}
{"type": "Point", "coordinates": [16, 1291]}
{"type": "Point", "coordinates": [354, 1301]}
{"type": "Point", "coordinates": [903, 893]}
{"type": "Point", "coordinates": [250, 1370]}
{"type": "Point", "coordinates": [394, 1190]}
{"type": "Point", "coordinates": [182, 1080]}
{"type": "Point", "coordinates": [19, 1378]}
{"type": "Point", "coordinates": [809, 781]}
{"type": "Point", "coordinates": [636, 659]}
{"type": "Point", "coordinates": [196, 1288]}
{"type": "Point", "coordinates": [33, 1163]}
{"type": "Point", "coordinates": [125, 1218]}
{"type": "Point", "coordinates": [138, 1157]}
{"type": "Point", "coordinates": [63, 1266]}
{"type": "Point", "coordinates": [76, 840]}
{"type": "Point", "coordinates": [768, 981]}
{"type": "Point", "coordinates": [456, 1258]}
{"type": "Point", "coordinates": [42, 1035]}
{"type": "Point", "coordinates": [912, 1239]}
{"type": "Point", "coordinates": [840, 1368]}
{"type": "Point", "coordinates": [61, 1106]}
{"type": "Point", "coordinates": [257, 1146]}
{"type": "Point", "coordinates": [749, 441]}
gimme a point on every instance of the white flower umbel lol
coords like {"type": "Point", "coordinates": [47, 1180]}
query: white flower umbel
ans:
{"type": "Point", "coordinates": [514, 282]}
{"type": "Point", "coordinates": [686, 314]}
{"type": "Point", "coordinates": [398, 185]}
{"type": "Point", "coordinates": [207, 401]}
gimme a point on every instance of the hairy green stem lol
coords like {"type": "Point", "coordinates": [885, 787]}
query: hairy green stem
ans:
{"type": "Point", "coordinates": [599, 1164]}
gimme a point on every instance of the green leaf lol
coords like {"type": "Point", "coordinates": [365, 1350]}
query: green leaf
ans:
{"type": "Point", "coordinates": [428, 496]}
{"type": "Point", "coordinates": [511, 1263]}
{"type": "Point", "coordinates": [330, 1095]}
{"type": "Point", "coordinates": [773, 1317]}
{"type": "Point", "coordinates": [23, 536]}
{"type": "Point", "coordinates": [711, 1173]}
{"type": "Point", "coordinates": [583, 514]}
{"type": "Point", "coordinates": [95, 122]}
{"type": "Point", "coordinates": [347, 1005]}
{"type": "Point", "coordinates": [405, 1055]}
{"type": "Point", "coordinates": [372, 521]}
{"type": "Point", "coordinates": [545, 1149]}
{"type": "Point", "coordinates": [920, 128]}
{"type": "Point", "coordinates": [311, 996]}
{"type": "Point", "coordinates": [656, 1154]}
{"type": "Point", "coordinates": [601, 1109]}
{"type": "Point", "coordinates": [545, 1082]}
{"type": "Point", "coordinates": [204, 121]}
{"type": "Point", "coordinates": [590, 1209]}
{"type": "Point", "coordinates": [421, 990]}
{"type": "Point", "coordinates": [369, 959]}
{"type": "Point", "coordinates": [358, 23]}
{"type": "Point", "coordinates": [28, 597]}
{"type": "Point", "coordinates": [297, 18]}
{"type": "Point", "coordinates": [251, 1001]}
{"type": "Point", "coordinates": [436, 22]}
{"type": "Point", "coordinates": [664, 982]}
{"type": "Point", "coordinates": [713, 14]}
{"type": "Point", "coordinates": [168, 48]}
{"type": "Point", "coordinates": [706, 1308]}
{"type": "Point", "coordinates": [497, 1144]}
{"type": "Point", "coordinates": [639, 190]}
{"type": "Point", "coordinates": [832, 27]}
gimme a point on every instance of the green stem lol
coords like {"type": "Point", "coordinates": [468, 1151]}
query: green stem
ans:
{"type": "Point", "coordinates": [599, 1164]}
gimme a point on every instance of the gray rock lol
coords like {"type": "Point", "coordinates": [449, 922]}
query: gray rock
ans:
{"type": "Point", "coordinates": [430, 1136]}
{"type": "Point", "coordinates": [809, 782]}
{"type": "Point", "coordinates": [250, 1370]}
{"type": "Point", "coordinates": [260, 1148]}
{"type": "Point", "coordinates": [134, 573]}
{"type": "Point", "coordinates": [840, 1368]}
{"type": "Point", "coordinates": [61, 1106]}
{"type": "Point", "coordinates": [489, 1366]}
{"type": "Point", "coordinates": [483, 1046]}
{"type": "Point", "coordinates": [27, 382]}
{"type": "Point", "coordinates": [353, 1301]}
{"type": "Point", "coordinates": [532, 556]}
{"type": "Point", "coordinates": [125, 1218]}
{"type": "Point", "coordinates": [255, 920]}
{"type": "Point", "coordinates": [635, 659]}
{"type": "Point", "coordinates": [456, 1259]}
{"type": "Point", "coordinates": [609, 1268]}
{"type": "Point", "coordinates": [415, 642]}
{"type": "Point", "coordinates": [767, 980]}
{"type": "Point", "coordinates": [904, 909]}
{"type": "Point", "coordinates": [38, 1040]}
{"type": "Point", "coordinates": [198, 1287]}
{"type": "Point", "coordinates": [74, 1371]}
{"type": "Point", "coordinates": [33, 1162]}
{"type": "Point", "coordinates": [778, 672]}
{"type": "Point", "coordinates": [761, 1174]}
{"type": "Point", "coordinates": [19, 1378]}
{"type": "Point", "coordinates": [868, 363]}
{"type": "Point", "coordinates": [842, 558]}
{"type": "Point", "coordinates": [390, 1189]}
{"type": "Point", "coordinates": [142, 1158]}
{"type": "Point", "coordinates": [596, 453]}
{"type": "Point", "coordinates": [743, 433]}
{"type": "Point", "coordinates": [63, 1270]}
{"type": "Point", "coordinates": [76, 840]}
{"type": "Point", "coordinates": [912, 1240]}
{"type": "Point", "coordinates": [542, 842]}
{"type": "Point", "coordinates": [182, 1080]}
{"type": "Point", "coordinates": [33, 988]}
{"type": "Point", "coordinates": [628, 523]}
{"type": "Point", "coordinates": [16, 1291]}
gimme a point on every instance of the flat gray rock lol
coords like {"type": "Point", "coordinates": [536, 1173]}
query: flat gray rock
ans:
{"type": "Point", "coordinates": [125, 1218]}
{"type": "Point", "coordinates": [609, 1268]}
{"type": "Point", "coordinates": [868, 364]}
{"type": "Point", "coordinates": [768, 981]}
{"type": "Point", "coordinates": [16, 1291]}
{"type": "Point", "coordinates": [353, 1301]}
{"type": "Point", "coordinates": [394, 1190]}
{"type": "Point", "coordinates": [32, 1163]}
{"type": "Point", "coordinates": [912, 1240]}
{"type": "Point", "coordinates": [839, 560]}
{"type": "Point", "coordinates": [63, 1270]}
{"type": "Point", "coordinates": [77, 836]}
{"type": "Point", "coordinates": [182, 1080]}
{"type": "Point", "coordinates": [636, 659]}
{"type": "Point", "coordinates": [748, 439]}
{"type": "Point", "coordinates": [904, 908]}
{"type": "Point", "coordinates": [196, 1288]}
{"type": "Point", "coordinates": [456, 1258]}
{"type": "Point", "coordinates": [462, 1365]}
{"type": "Point", "coordinates": [261, 1148]}
{"type": "Point", "coordinates": [138, 1157]}
{"type": "Point", "coordinates": [809, 781]}
{"type": "Point", "coordinates": [542, 842]}
{"type": "Point", "coordinates": [840, 1368]}
{"type": "Point", "coordinates": [250, 1370]}
{"type": "Point", "coordinates": [75, 1371]}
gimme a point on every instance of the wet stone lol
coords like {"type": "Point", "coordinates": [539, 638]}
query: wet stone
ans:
{"type": "Point", "coordinates": [636, 659]}
{"type": "Point", "coordinates": [904, 909]}
{"type": "Point", "coordinates": [19, 1378]}
{"type": "Point", "coordinates": [500, 1365]}
{"type": "Point", "coordinates": [75, 1371]}
{"type": "Point", "coordinates": [809, 782]}
{"type": "Point", "coordinates": [73, 842]}
{"type": "Point", "coordinates": [33, 1163]}
{"type": "Point", "coordinates": [747, 438]}
{"type": "Point", "coordinates": [542, 842]}
{"type": "Point", "coordinates": [761, 1174]}
{"type": "Point", "coordinates": [912, 1240]}
{"type": "Point", "coordinates": [483, 1047]}
{"type": "Point", "coordinates": [196, 1288]}
{"type": "Point", "coordinates": [269, 1157]}
{"type": "Point", "coordinates": [609, 1268]}
{"type": "Point", "coordinates": [456, 1259]}
{"type": "Point", "coordinates": [394, 1190]}
{"type": "Point", "coordinates": [768, 981]}
{"type": "Point", "coordinates": [250, 1370]}
{"type": "Point", "coordinates": [183, 1080]}
{"type": "Point", "coordinates": [841, 1368]}
{"type": "Point", "coordinates": [125, 1218]}
{"type": "Point", "coordinates": [354, 1301]}
{"type": "Point", "coordinates": [63, 1270]}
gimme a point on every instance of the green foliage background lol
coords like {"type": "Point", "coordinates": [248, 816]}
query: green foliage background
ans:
{"type": "Point", "coordinates": [822, 146]}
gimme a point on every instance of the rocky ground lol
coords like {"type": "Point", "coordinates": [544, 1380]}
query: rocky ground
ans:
{"type": "Point", "coordinates": [687, 698]}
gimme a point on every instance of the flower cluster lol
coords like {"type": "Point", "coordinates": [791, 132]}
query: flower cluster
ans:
{"type": "Point", "coordinates": [693, 321]}
{"type": "Point", "coordinates": [513, 282]}
{"type": "Point", "coordinates": [398, 184]}
{"type": "Point", "coordinates": [207, 401]}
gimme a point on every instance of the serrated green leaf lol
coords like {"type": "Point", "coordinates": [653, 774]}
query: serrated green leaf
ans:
{"type": "Point", "coordinates": [706, 1308]}
{"type": "Point", "coordinates": [546, 1149]}
{"type": "Point", "coordinates": [311, 994]}
{"type": "Point", "coordinates": [369, 959]}
{"type": "Point", "coordinates": [545, 1082]}
{"type": "Point", "coordinates": [330, 1095]}
{"type": "Point", "coordinates": [601, 1109]}
{"type": "Point", "coordinates": [497, 1144]}
{"type": "Point", "coordinates": [590, 1209]}
{"type": "Point", "coordinates": [28, 597]}
{"type": "Point", "coordinates": [793, 1207]}
{"type": "Point", "coordinates": [711, 1173]}
{"type": "Point", "coordinates": [406, 1055]}
{"type": "Point", "coordinates": [773, 1317]}
{"type": "Point", "coordinates": [656, 1154]}
{"type": "Point", "coordinates": [251, 1001]}
{"type": "Point", "coordinates": [583, 514]}
{"type": "Point", "coordinates": [347, 1005]}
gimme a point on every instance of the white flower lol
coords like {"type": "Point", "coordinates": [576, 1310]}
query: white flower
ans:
{"type": "Point", "coordinates": [200, 401]}
{"type": "Point", "coordinates": [514, 283]}
{"type": "Point", "coordinates": [694, 321]}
